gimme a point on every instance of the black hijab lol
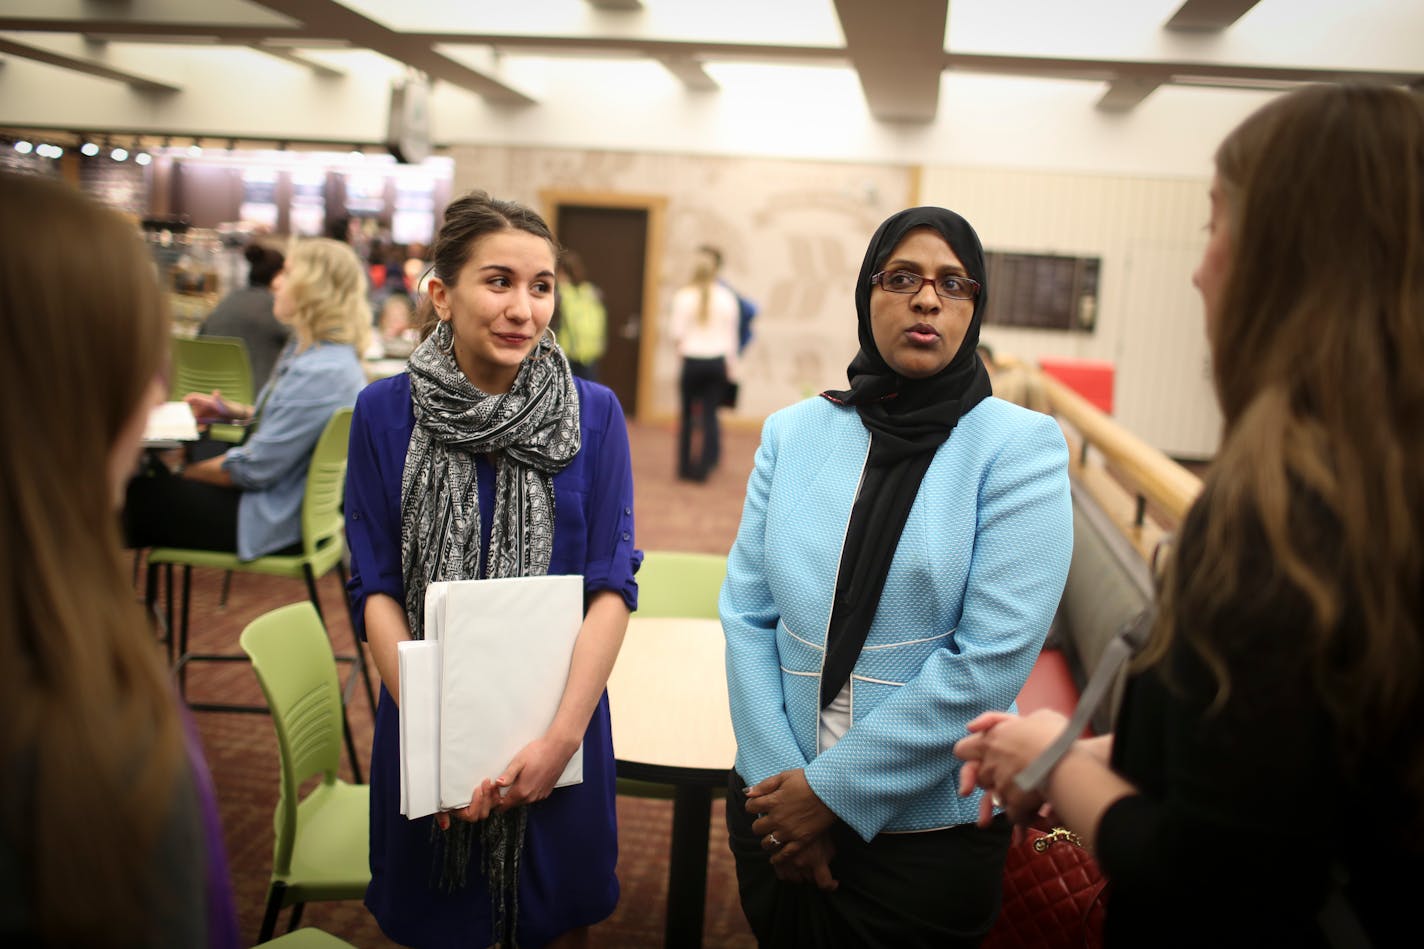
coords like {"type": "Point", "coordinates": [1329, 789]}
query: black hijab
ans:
{"type": "Point", "coordinates": [908, 419]}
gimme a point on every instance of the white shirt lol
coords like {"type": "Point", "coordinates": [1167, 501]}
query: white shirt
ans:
{"type": "Point", "coordinates": [717, 336]}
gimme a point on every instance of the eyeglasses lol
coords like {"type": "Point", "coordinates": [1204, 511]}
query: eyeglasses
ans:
{"type": "Point", "coordinates": [951, 286]}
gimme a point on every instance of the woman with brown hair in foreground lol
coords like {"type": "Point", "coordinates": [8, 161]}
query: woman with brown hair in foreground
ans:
{"type": "Point", "coordinates": [108, 830]}
{"type": "Point", "coordinates": [1265, 784]}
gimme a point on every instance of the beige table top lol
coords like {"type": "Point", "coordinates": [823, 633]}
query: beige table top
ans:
{"type": "Point", "coordinates": [668, 695]}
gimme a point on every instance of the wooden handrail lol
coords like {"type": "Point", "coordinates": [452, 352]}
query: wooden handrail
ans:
{"type": "Point", "coordinates": [1149, 473]}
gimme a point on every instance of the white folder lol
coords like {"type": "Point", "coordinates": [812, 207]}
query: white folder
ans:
{"type": "Point", "coordinates": [490, 685]}
{"type": "Point", "coordinates": [420, 727]}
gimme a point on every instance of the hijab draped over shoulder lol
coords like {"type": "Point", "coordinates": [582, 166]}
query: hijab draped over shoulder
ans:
{"type": "Point", "coordinates": [908, 419]}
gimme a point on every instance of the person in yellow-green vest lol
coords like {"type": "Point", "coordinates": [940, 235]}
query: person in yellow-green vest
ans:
{"type": "Point", "coordinates": [582, 323]}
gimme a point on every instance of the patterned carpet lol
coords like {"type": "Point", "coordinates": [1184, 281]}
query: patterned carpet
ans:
{"type": "Point", "coordinates": [242, 752]}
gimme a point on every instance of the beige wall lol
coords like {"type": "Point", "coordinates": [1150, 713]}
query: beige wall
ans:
{"type": "Point", "coordinates": [1149, 234]}
{"type": "Point", "coordinates": [793, 233]}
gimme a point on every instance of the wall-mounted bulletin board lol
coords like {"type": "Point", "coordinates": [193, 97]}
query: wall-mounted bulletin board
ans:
{"type": "Point", "coordinates": [1042, 291]}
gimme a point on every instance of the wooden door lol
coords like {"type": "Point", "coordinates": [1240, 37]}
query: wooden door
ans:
{"type": "Point", "coordinates": [616, 235]}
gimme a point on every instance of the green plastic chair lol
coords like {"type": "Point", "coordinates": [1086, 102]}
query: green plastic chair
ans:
{"type": "Point", "coordinates": [306, 938]}
{"type": "Point", "coordinates": [204, 363]}
{"type": "Point", "coordinates": [323, 546]}
{"type": "Point", "coordinates": [673, 583]}
{"type": "Point", "coordinates": [322, 841]}
{"type": "Point", "coordinates": [679, 583]}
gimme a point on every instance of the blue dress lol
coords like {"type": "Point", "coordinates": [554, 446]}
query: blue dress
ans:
{"type": "Point", "coordinates": [566, 876]}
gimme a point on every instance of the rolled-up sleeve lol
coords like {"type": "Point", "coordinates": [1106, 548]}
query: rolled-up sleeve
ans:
{"type": "Point", "coordinates": [613, 557]}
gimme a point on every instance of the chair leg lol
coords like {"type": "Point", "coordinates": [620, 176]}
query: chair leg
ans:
{"type": "Point", "coordinates": [168, 598]}
{"type": "Point", "coordinates": [296, 919]}
{"type": "Point", "coordinates": [312, 592]}
{"type": "Point", "coordinates": [226, 589]}
{"type": "Point", "coordinates": [360, 653]}
{"type": "Point", "coordinates": [150, 606]}
{"type": "Point", "coordinates": [351, 748]}
{"type": "Point", "coordinates": [275, 892]}
{"type": "Point", "coordinates": [183, 634]}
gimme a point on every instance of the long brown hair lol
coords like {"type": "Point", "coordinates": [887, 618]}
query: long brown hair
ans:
{"type": "Point", "coordinates": [92, 746]}
{"type": "Point", "coordinates": [1317, 350]}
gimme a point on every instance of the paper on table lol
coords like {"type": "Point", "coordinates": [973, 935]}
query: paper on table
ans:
{"type": "Point", "coordinates": [505, 647]}
{"type": "Point", "coordinates": [419, 727]}
{"type": "Point", "coordinates": [171, 422]}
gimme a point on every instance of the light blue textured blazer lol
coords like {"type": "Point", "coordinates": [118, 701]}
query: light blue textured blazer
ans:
{"type": "Point", "coordinates": [973, 586]}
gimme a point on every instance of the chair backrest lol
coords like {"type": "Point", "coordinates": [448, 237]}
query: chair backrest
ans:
{"type": "Point", "coordinates": [295, 667]}
{"type": "Point", "coordinates": [326, 481]}
{"type": "Point", "coordinates": [205, 363]}
{"type": "Point", "coordinates": [680, 583]}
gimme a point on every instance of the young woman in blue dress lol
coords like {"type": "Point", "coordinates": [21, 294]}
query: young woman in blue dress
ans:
{"type": "Point", "coordinates": [488, 458]}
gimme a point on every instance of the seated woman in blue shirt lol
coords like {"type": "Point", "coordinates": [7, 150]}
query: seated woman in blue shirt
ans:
{"type": "Point", "coordinates": [249, 500]}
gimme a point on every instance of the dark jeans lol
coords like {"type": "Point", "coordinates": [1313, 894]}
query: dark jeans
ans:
{"type": "Point", "coordinates": [162, 509]}
{"type": "Point", "coordinates": [934, 890]}
{"type": "Point", "coordinates": [703, 383]}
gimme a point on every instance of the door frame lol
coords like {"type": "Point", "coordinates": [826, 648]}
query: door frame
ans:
{"type": "Point", "coordinates": [551, 199]}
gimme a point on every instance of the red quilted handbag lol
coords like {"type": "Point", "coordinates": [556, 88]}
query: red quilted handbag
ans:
{"type": "Point", "coordinates": [1053, 895]}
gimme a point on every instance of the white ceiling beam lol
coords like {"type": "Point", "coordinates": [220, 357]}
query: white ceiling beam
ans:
{"type": "Point", "coordinates": [330, 18]}
{"type": "Point", "coordinates": [617, 6]}
{"type": "Point", "coordinates": [234, 19]}
{"type": "Point", "coordinates": [286, 54]}
{"type": "Point", "coordinates": [898, 51]}
{"type": "Point", "coordinates": [73, 52]}
{"type": "Point", "coordinates": [689, 70]}
{"type": "Point", "coordinates": [1208, 16]}
{"type": "Point", "coordinates": [1123, 95]}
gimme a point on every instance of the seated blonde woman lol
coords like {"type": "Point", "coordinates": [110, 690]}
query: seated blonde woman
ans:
{"type": "Point", "coordinates": [249, 499]}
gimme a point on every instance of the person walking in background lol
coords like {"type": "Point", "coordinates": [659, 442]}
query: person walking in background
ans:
{"type": "Point", "coordinates": [704, 330]}
{"type": "Point", "coordinates": [249, 499]}
{"type": "Point", "coordinates": [582, 323]}
{"type": "Point", "coordinates": [489, 458]}
{"type": "Point", "coordinates": [246, 313]}
{"type": "Point", "coordinates": [902, 550]}
{"type": "Point", "coordinates": [1265, 783]}
{"type": "Point", "coordinates": [109, 832]}
{"type": "Point", "coordinates": [746, 309]}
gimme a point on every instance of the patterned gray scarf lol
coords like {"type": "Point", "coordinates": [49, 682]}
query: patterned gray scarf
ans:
{"type": "Point", "coordinates": [530, 433]}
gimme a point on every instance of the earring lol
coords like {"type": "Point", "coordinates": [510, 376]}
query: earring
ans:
{"type": "Point", "coordinates": [547, 344]}
{"type": "Point", "coordinates": [445, 338]}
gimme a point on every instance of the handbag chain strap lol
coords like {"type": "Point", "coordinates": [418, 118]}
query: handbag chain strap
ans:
{"type": "Point", "coordinates": [1054, 836]}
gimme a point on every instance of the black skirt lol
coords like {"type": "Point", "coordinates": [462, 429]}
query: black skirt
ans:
{"type": "Point", "coordinates": [938, 889]}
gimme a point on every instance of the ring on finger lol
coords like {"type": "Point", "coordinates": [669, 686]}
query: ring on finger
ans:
{"type": "Point", "coordinates": [771, 838]}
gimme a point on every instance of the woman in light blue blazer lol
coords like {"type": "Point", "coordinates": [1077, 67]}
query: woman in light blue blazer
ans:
{"type": "Point", "coordinates": [902, 550]}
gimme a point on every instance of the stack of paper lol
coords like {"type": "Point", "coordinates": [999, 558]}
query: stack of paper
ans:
{"type": "Point", "coordinates": [486, 680]}
{"type": "Point", "coordinates": [171, 422]}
